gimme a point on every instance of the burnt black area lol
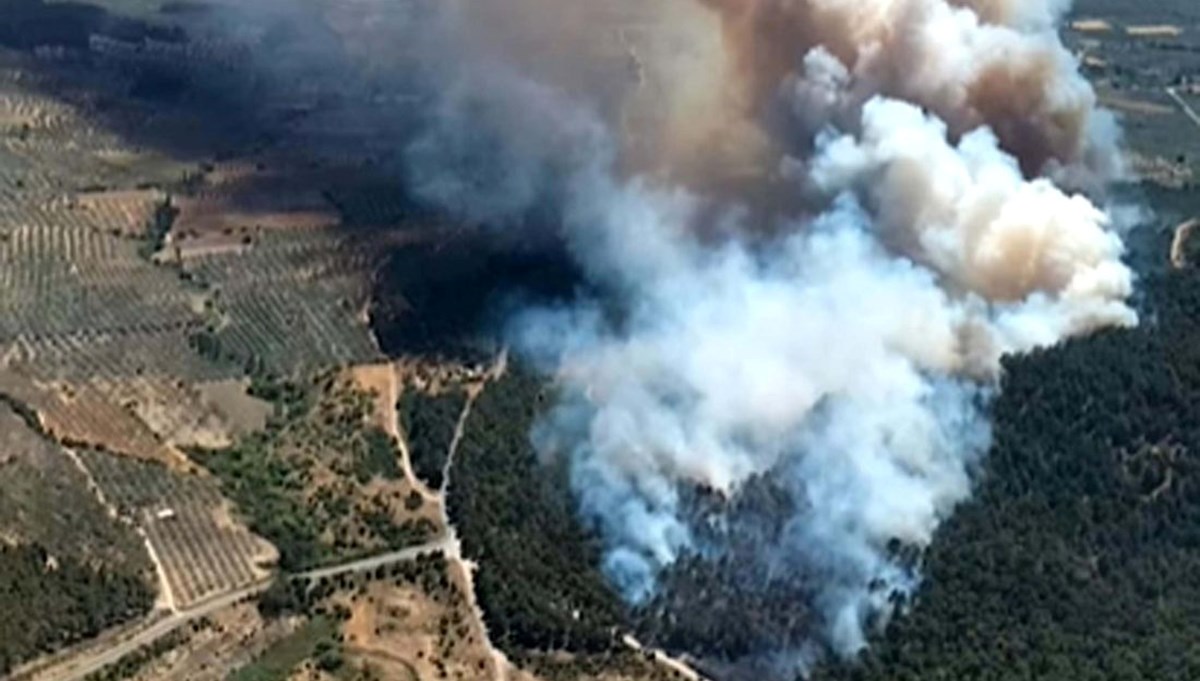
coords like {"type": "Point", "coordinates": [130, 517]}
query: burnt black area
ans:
{"type": "Point", "coordinates": [452, 299]}
{"type": "Point", "coordinates": [204, 82]}
{"type": "Point", "coordinates": [28, 24]}
{"type": "Point", "coordinates": [157, 85]}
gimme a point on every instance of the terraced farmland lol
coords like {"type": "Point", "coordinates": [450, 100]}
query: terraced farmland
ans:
{"type": "Point", "coordinates": [119, 213]}
{"type": "Point", "coordinates": [79, 299]}
{"type": "Point", "coordinates": [45, 500]}
{"type": "Point", "coordinates": [68, 568]}
{"type": "Point", "coordinates": [121, 340]}
{"type": "Point", "coordinates": [50, 145]}
{"type": "Point", "coordinates": [203, 551]}
{"type": "Point", "coordinates": [293, 303]}
{"type": "Point", "coordinates": [61, 281]}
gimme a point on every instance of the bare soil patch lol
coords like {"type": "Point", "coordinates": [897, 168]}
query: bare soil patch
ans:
{"type": "Point", "coordinates": [230, 398]}
{"type": "Point", "coordinates": [401, 629]}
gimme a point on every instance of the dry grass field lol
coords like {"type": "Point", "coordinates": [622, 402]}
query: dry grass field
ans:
{"type": "Point", "coordinates": [407, 631]}
{"type": "Point", "coordinates": [80, 414]}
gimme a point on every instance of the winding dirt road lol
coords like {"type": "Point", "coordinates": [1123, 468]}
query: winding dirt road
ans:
{"type": "Point", "coordinates": [90, 657]}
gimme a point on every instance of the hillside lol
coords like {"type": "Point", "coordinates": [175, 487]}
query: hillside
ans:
{"type": "Point", "coordinates": [237, 358]}
{"type": "Point", "coordinates": [69, 568]}
{"type": "Point", "coordinates": [1079, 556]}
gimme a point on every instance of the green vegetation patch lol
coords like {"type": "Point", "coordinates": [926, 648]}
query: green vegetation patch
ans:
{"type": "Point", "coordinates": [67, 569]}
{"type": "Point", "coordinates": [1079, 557]}
{"type": "Point", "coordinates": [158, 228]}
{"type": "Point", "coordinates": [317, 638]}
{"type": "Point", "coordinates": [49, 602]}
{"type": "Point", "coordinates": [45, 500]}
{"type": "Point", "coordinates": [379, 457]}
{"type": "Point", "coordinates": [306, 482]}
{"type": "Point", "coordinates": [429, 422]}
{"type": "Point", "coordinates": [133, 663]}
{"type": "Point", "coordinates": [537, 581]}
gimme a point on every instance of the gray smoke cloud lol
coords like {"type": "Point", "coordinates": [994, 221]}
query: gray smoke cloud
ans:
{"type": "Point", "coordinates": [844, 347]}
{"type": "Point", "coordinates": [811, 229]}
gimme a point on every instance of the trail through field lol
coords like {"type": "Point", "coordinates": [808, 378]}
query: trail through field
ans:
{"type": "Point", "coordinates": [500, 662]}
{"type": "Point", "coordinates": [389, 388]}
{"type": "Point", "coordinates": [166, 594]}
{"type": "Point", "coordinates": [681, 667]}
{"type": "Point", "coordinates": [392, 426]}
{"type": "Point", "coordinates": [1187, 108]}
{"type": "Point", "coordinates": [503, 667]}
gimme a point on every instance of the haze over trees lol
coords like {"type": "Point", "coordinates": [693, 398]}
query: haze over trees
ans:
{"type": "Point", "coordinates": [1079, 557]}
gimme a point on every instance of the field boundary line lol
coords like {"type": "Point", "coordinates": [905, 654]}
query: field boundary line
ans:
{"type": "Point", "coordinates": [159, 569]}
{"type": "Point", "coordinates": [1187, 108]}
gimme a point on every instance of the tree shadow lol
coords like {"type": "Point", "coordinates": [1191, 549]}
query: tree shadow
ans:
{"type": "Point", "coordinates": [270, 83]}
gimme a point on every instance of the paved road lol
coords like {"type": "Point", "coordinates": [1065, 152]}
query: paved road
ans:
{"type": "Point", "coordinates": [373, 562]}
{"type": "Point", "coordinates": [88, 661]}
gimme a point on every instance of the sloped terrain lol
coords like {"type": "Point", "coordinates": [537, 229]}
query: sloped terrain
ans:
{"type": "Point", "coordinates": [69, 568]}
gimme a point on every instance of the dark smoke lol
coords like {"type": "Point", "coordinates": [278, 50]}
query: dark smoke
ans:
{"type": "Point", "coordinates": [807, 231]}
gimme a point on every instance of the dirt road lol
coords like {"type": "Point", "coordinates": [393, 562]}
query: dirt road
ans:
{"type": "Point", "coordinates": [1187, 108]}
{"type": "Point", "coordinates": [95, 657]}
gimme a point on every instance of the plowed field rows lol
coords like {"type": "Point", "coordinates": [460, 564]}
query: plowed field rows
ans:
{"type": "Point", "coordinates": [203, 551]}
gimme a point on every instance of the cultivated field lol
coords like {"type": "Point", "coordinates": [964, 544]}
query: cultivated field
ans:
{"type": "Point", "coordinates": [1133, 52]}
{"type": "Point", "coordinates": [294, 302]}
{"type": "Point", "coordinates": [116, 254]}
{"type": "Point", "coordinates": [45, 500]}
{"type": "Point", "coordinates": [202, 550]}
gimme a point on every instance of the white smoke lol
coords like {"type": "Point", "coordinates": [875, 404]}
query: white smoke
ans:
{"type": "Point", "coordinates": [1045, 260]}
{"type": "Point", "coordinates": [972, 63]}
{"type": "Point", "coordinates": [847, 355]}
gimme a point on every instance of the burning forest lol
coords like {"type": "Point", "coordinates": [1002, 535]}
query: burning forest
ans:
{"type": "Point", "coordinates": [807, 232]}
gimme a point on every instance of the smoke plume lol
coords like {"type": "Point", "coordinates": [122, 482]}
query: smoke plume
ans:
{"type": "Point", "coordinates": [811, 228]}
